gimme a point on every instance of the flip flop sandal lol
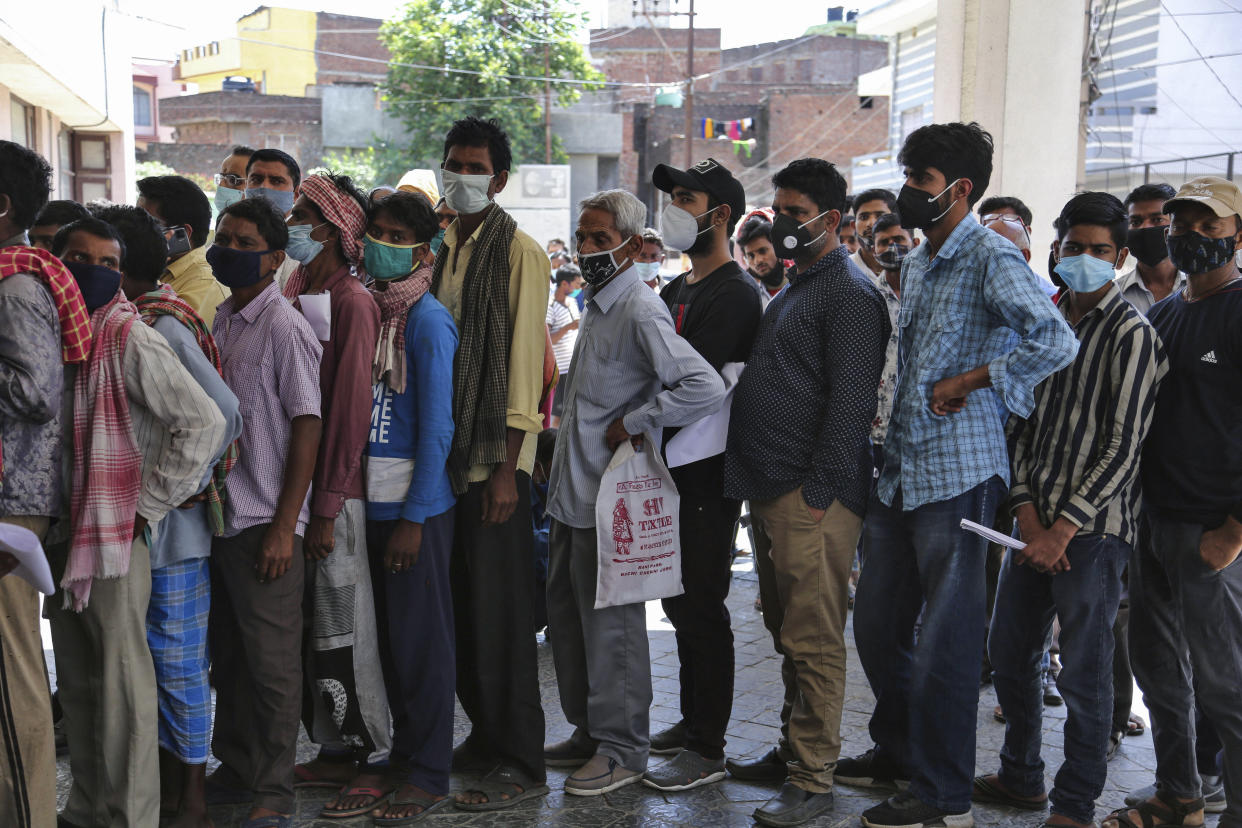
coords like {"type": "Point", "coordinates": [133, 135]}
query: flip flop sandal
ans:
{"type": "Point", "coordinates": [428, 805]}
{"type": "Point", "coordinates": [377, 795]}
{"type": "Point", "coordinates": [991, 793]}
{"type": "Point", "coordinates": [1167, 810]}
{"type": "Point", "coordinates": [499, 782]}
{"type": "Point", "coordinates": [304, 777]}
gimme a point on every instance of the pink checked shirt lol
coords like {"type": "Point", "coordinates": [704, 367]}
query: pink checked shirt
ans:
{"type": "Point", "coordinates": [270, 360]}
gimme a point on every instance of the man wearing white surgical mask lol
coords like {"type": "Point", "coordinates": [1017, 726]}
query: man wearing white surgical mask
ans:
{"type": "Point", "coordinates": [493, 279]}
{"type": "Point", "coordinates": [717, 312]}
{"type": "Point", "coordinates": [651, 258]}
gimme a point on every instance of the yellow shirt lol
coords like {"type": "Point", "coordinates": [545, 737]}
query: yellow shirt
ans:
{"type": "Point", "coordinates": [528, 306]}
{"type": "Point", "coordinates": [194, 282]}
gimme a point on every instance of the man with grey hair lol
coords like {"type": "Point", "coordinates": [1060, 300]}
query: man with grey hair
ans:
{"type": "Point", "coordinates": [631, 376]}
{"type": "Point", "coordinates": [1012, 228]}
{"type": "Point", "coordinates": [651, 258]}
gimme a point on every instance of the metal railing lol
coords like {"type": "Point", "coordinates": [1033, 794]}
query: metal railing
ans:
{"type": "Point", "coordinates": [1121, 180]}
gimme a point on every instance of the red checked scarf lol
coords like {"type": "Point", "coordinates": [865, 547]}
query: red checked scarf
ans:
{"type": "Point", "coordinates": [75, 322]}
{"type": "Point", "coordinates": [164, 301]}
{"type": "Point", "coordinates": [340, 209]}
{"type": "Point", "coordinates": [107, 472]}
{"type": "Point", "coordinates": [394, 304]}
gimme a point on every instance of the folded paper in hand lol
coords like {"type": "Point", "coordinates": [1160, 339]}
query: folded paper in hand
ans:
{"type": "Point", "coordinates": [32, 566]}
{"type": "Point", "coordinates": [317, 308]}
{"type": "Point", "coordinates": [992, 535]}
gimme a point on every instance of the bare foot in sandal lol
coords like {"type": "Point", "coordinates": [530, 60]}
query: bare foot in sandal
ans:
{"type": "Point", "coordinates": [408, 801]}
{"type": "Point", "coordinates": [1161, 809]}
{"type": "Point", "coordinates": [359, 796]}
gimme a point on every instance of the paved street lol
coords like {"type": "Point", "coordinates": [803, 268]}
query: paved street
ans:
{"type": "Point", "coordinates": [753, 730]}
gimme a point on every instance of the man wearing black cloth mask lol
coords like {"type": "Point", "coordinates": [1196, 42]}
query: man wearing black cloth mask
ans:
{"type": "Point", "coordinates": [1154, 276]}
{"type": "Point", "coordinates": [717, 312]}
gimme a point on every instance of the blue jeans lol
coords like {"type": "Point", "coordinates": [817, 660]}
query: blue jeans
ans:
{"type": "Point", "coordinates": [1086, 598]}
{"type": "Point", "coordinates": [927, 693]}
{"type": "Point", "coordinates": [1186, 647]}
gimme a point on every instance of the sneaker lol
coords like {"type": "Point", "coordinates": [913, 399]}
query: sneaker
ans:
{"type": "Point", "coordinates": [670, 741]}
{"type": "Point", "coordinates": [1052, 696]}
{"type": "Point", "coordinates": [871, 770]}
{"type": "Point", "coordinates": [687, 770]}
{"type": "Point", "coordinates": [599, 776]}
{"type": "Point", "coordinates": [907, 811]}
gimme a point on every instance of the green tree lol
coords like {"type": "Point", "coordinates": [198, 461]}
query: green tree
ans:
{"type": "Point", "coordinates": [499, 39]}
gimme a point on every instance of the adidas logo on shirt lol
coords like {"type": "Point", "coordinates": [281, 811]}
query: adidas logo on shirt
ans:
{"type": "Point", "coordinates": [1210, 356]}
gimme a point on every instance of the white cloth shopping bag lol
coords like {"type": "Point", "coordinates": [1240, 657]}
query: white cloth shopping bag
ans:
{"type": "Point", "coordinates": [637, 528]}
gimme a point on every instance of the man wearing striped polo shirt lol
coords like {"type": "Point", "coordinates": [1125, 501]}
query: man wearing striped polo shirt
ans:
{"type": "Point", "coordinates": [1074, 494]}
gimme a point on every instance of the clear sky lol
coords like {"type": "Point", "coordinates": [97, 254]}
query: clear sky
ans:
{"type": "Point", "coordinates": [741, 21]}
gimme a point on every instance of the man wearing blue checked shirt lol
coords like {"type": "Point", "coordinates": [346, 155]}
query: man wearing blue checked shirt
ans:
{"type": "Point", "coordinates": [977, 335]}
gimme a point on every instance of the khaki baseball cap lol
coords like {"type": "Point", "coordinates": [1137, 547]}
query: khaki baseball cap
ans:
{"type": "Point", "coordinates": [1222, 197]}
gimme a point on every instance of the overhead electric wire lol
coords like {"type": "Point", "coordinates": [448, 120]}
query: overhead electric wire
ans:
{"type": "Point", "coordinates": [1193, 46]}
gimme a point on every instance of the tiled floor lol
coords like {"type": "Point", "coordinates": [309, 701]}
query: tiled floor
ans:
{"type": "Point", "coordinates": [754, 728]}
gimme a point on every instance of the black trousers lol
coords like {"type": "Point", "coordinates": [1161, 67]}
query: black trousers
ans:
{"type": "Point", "coordinates": [701, 619]}
{"type": "Point", "coordinates": [492, 574]}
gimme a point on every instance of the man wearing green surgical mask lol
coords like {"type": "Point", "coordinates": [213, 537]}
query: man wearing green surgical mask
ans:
{"type": "Point", "coordinates": [410, 505]}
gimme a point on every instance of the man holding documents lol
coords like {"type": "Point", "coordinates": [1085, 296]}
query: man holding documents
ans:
{"type": "Point", "coordinates": [1075, 496]}
{"type": "Point", "coordinates": [717, 313]}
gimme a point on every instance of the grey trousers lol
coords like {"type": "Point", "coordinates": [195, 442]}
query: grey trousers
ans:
{"type": "Point", "coordinates": [106, 681]}
{"type": "Point", "coordinates": [1186, 621]}
{"type": "Point", "coordinates": [603, 663]}
{"type": "Point", "coordinates": [255, 636]}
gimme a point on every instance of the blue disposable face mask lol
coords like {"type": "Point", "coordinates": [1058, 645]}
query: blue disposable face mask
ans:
{"type": "Point", "coordinates": [647, 271]}
{"type": "Point", "coordinates": [301, 246]}
{"type": "Point", "coordinates": [282, 200]}
{"type": "Point", "coordinates": [436, 241]}
{"type": "Point", "coordinates": [226, 197]}
{"type": "Point", "coordinates": [1085, 274]}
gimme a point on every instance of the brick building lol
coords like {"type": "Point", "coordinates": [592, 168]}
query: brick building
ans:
{"type": "Point", "coordinates": [800, 96]}
{"type": "Point", "coordinates": [222, 119]}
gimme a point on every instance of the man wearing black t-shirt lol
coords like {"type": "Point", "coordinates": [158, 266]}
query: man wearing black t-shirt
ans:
{"type": "Point", "coordinates": [1185, 577]}
{"type": "Point", "coordinates": [717, 312]}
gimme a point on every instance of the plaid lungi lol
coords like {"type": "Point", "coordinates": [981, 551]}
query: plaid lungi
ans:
{"type": "Point", "coordinates": [177, 635]}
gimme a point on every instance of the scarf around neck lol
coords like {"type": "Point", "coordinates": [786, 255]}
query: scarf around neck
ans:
{"type": "Point", "coordinates": [395, 302]}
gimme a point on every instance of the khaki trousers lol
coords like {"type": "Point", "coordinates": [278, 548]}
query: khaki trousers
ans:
{"type": "Point", "coordinates": [27, 749]}
{"type": "Point", "coordinates": [106, 681]}
{"type": "Point", "coordinates": [804, 571]}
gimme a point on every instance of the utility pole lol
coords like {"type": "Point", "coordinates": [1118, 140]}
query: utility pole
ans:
{"type": "Point", "coordinates": [547, 88]}
{"type": "Point", "coordinates": [687, 102]}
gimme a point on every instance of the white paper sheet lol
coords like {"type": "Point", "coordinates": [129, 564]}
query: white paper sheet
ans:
{"type": "Point", "coordinates": [24, 545]}
{"type": "Point", "coordinates": [317, 308]}
{"type": "Point", "coordinates": [707, 437]}
{"type": "Point", "coordinates": [992, 535]}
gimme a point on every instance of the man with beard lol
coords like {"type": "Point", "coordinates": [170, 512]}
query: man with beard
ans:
{"type": "Point", "coordinates": [717, 313]}
{"type": "Point", "coordinates": [807, 473]}
{"type": "Point", "coordinates": [945, 459]}
{"type": "Point", "coordinates": [869, 207]}
{"type": "Point", "coordinates": [767, 270]}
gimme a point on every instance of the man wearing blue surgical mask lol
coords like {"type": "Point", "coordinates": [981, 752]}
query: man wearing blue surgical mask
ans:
{"type": "Point", "coordinates": [274, 174]}
{"type": "Point", "coordinates": [1076, 503]}
{"type": "Point", "coordinates": [493, 279]}
{"type": "Point", "coordinates": [231, 180]}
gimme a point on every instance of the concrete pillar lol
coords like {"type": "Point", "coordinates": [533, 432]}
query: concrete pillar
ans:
{"type": "Point", "coordinates": [1016, 67]}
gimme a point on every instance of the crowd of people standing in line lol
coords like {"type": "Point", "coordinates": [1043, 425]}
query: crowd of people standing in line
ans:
{"type": "Point", "coordinates": [297, 461]}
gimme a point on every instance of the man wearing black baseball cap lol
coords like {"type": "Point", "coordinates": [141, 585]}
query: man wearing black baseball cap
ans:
{"type": "Point", "coordinates": [717, 312]}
